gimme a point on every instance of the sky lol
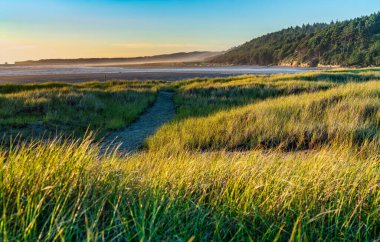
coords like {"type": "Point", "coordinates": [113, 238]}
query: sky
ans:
{"type": "Point", "coordinates": [42, 29]}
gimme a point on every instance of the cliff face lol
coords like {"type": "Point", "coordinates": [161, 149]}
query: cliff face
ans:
{"type": "Point", "coordinates": [354, 42]}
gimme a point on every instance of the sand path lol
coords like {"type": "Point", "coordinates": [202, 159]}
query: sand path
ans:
{"type": "Point", "coordinates": [131, 138]}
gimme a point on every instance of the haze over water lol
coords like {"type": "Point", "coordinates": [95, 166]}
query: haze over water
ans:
{"type": "Point", "coordinates": [54, 70]}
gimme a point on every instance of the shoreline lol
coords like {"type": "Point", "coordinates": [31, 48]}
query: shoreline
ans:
{"type": "Point", "coordinates": [78, 78]}
{"type": "Point", "coordinates": [76, 74]}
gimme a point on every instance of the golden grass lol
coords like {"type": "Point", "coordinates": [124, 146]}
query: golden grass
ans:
{"type": "Point", "coordinates": [290, 157]}
{"type": "Point", "coordinates": [347, 114]}
{"type": "Point", "coordinates": [66, 192]}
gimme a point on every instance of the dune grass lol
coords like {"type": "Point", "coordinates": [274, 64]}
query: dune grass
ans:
{"type": "Point", "coordinates": [202, 97]}
{"type": "Point", "coordinates": [357, 70]}
{"type": "Point", "coordinates": [271, 158]}
{"type": "Point", "coordinates": [40, 109]}
{"type": "Point", "coordinates": [347, 114]}
{"type": "Point", "coordinates": [66, 192]}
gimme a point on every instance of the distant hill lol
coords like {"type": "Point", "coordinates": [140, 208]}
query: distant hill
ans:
{"type": "Point", "coordinates": [354, 42]}
{"type": "Point", "coordinates": [196, 56]}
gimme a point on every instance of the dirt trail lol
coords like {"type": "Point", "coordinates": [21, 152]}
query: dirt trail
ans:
{"type": "Point", "coordinates": [131, 138]}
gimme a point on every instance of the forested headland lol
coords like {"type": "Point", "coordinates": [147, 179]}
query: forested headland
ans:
{"type": "Point", "coordinates": [353, 42]}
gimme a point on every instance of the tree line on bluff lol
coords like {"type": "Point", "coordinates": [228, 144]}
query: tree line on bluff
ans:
{"type": "Point", "coordinates": [353, 42]}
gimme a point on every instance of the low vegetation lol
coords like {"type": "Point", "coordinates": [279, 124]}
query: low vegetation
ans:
{"type": "Point", "coordinates": [42, 109]}
{"type": "Point", "coordinates": [270, 158]}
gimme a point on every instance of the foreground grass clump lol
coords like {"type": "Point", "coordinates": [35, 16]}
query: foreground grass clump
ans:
{"type": "Point", "coordinates": [72, 108]}
{"type": "Point", "coordinates": [348, 114]}
{"type": "Point", "coordinates": [64, 191]}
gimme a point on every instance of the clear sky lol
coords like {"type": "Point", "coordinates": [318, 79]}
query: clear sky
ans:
{"type": "Point", "coordinates": [35, 29]}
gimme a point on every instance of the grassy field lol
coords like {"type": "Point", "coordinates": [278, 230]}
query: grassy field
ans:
{"type": "Point", "coordinates": [270, 158]}
{"type": "Point", "coordinates": [348, 114]}
{"type": "Point", "coordinates": [71, 109]}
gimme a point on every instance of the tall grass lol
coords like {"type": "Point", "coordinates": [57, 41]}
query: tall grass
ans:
{"type": "Point", "coordinates": [273, 158]}
{"type": "Point", "coordinates": [66, 192]}
{"type": "Point", "coordinates": [202, 97]}
{"type": "Point", "coordinates": [348, 114]}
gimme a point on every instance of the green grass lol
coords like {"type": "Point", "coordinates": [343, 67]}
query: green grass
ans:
{"type": "Point", "coordinates": [270, 158]}
{"type": "Point", "coordinates": [202, 97]}
{"type": "Point", "coordinates": [348, 114]}
{"type": "Point", "coordinates": [65, 192]}
{"type": "Point", "coordinates": [358, 70]}
{"type": "Point", "coordinates": [72, 109]}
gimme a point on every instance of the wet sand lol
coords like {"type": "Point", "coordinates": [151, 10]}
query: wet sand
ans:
{"type": "Point", "coordinates": [77, 78]}
{"type": "Point", "coordinates": [75, 74]}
